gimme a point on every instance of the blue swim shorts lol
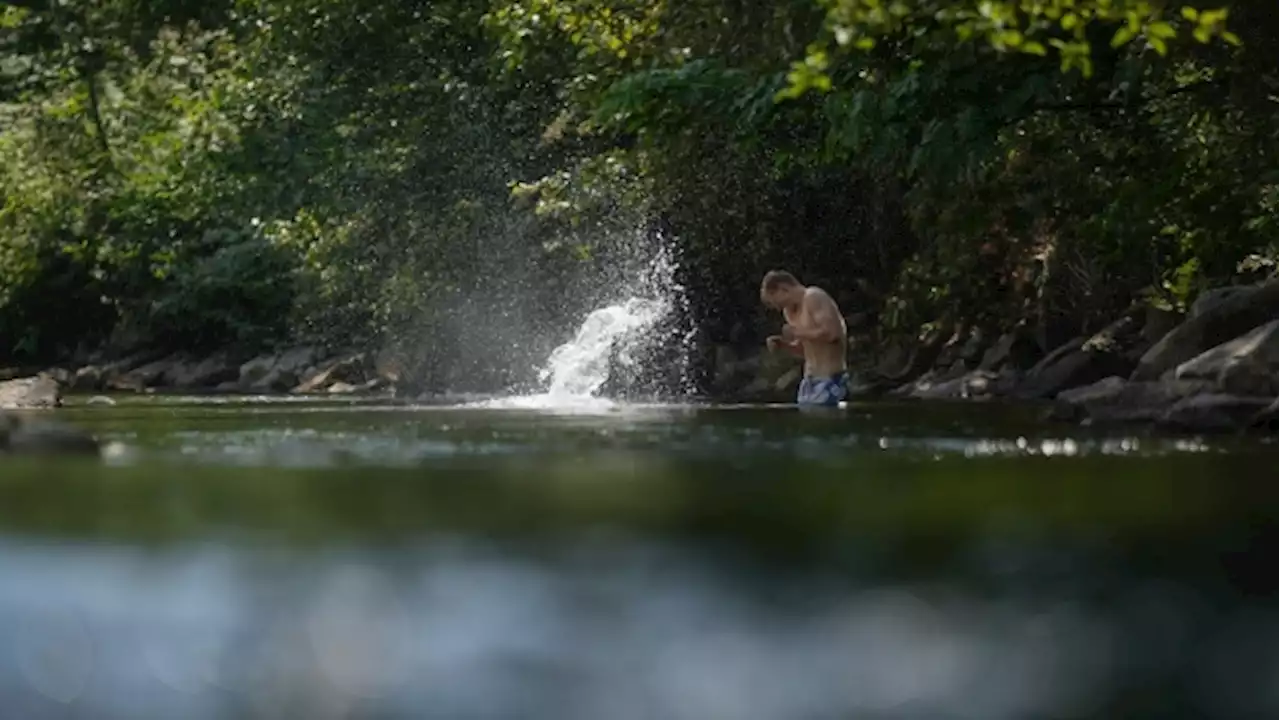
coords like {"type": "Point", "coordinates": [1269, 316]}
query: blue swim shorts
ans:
{"type": "Point", "coordinates": [829, 390]}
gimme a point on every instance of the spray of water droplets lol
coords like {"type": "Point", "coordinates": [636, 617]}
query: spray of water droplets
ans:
{"type": "Point", "coordinates": [611, 340]}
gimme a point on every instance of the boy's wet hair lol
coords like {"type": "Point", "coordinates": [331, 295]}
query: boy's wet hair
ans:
{"type": "Point", "coordinates": [775, 279]}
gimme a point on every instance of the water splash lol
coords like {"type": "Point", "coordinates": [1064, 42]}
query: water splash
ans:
{"type": "Point", "coordinates": [611, 339]}
{"type": "Point", "coordinates": [576, 370]}
{"type": "Point", "coordinates": [581, 366]}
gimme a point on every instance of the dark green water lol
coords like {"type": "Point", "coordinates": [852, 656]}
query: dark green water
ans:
{"type": "Point", "coordinates": [287, 559]}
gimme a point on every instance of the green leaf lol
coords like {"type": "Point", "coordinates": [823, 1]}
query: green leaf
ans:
{"type": "Point", "coordinates": [1122, 36]}
{"type": "Point", "coordinates": [1158, 45]}
{"type": "Point", "coordinates": [1034, 48]}
{"type": "Point", "coordinates": [1190, 13]}
{"type": "Point", "coordinates": [1162, 30]}
{"type": "Point", "coordinates": [1213, 17]}
{"type": "Point", "coordinates": [1007, 38]}
{"type": "Point", "coordinates": [1202, 34]}
{"type": "Point", "coordinates": [1070, 21]}
{"type": "Point", "coordinates": [1231, 37]}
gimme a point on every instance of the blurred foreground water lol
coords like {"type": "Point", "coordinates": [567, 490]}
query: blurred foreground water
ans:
{"type": "Point", "coordinates": [241, 558]}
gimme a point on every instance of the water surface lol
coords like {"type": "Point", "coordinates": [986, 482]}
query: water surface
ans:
{"type": "Point", "coordinates": [499, 558]}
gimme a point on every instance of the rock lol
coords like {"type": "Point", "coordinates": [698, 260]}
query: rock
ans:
{"type": "Point", "coordinates": [87, 379]}
{"type": "Point", "coordinates": [924, 354]}
{"type": "Point", "coordinates": [1214, 297]}
{"type": "Point", "coordinates": [346, 388]}
{"type": "Point", "coordinates": [112, 375]}
{"type": "Point", "coordinates": [32, 392]}
{"type": "Point", "coordinates": [62, 376]}
{"type": "Point", "coordinates": [1157, 323]}
{"type": "Point", "coordinates": [299, 358]}
{"type": "Point", "coordinates": [894, 357]}
{"type": "Point", "coordinates": [1072, 365]}
{"type": "Point", "coordinates": [200, 374]}
{"type": "Point", "coordinates": [788, 382]}
{"type": "Point", "coordinates": [1214, 412]}
{"type": "Point", "coordinates": [974, 347]}
{"type": "Point", "coordinates": [1219, 319]}
{"type": "Point", "coordinates": [12, 373]}
{"type": "Point", "coordinates": [392, 364]}
{"type": "Point", "coordinates": [860, 387]}
{"type": "Point", "coordinates": [952, 350]}
{"type": "Point", "coordinates": [143, 377]}
{"type": "Point", "coordinates": [277, 373]}
{"type": "Point", "coordinates": [24, 436]}
{"type": "Point", "coordinates": [757, 388]}
{"type": "Point", "coordinates": [350, 370]}
{"type": "Point", "coordinates": [978, 383]}
{"type": "Point", "coordinates": [1114, 399]}
{"type": "Point", "coordinates": [754, 366]}
{"type": "Point", "coordinates": [1102, 391]}
{"type": "Point", "coordinates": [276, 380]}
{"type": "Point", "coordinates": [1246, 365]}
{"type": "Point", "coordinates": [1266, 419]}
{"type": "Point", "coordinates": [253, 371]}
{"type": "Point", "coordinates": [1081, 361]}
{"type": "Point", "coordinates": [1013, 349]}
{"type": "Point", "coordinates": [724, 367]}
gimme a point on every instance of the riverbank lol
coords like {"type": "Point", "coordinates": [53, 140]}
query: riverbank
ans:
{"type": "Point", "coordinates": [1213, 370]}
{"type": "Point", "coordinates": [298, 370]}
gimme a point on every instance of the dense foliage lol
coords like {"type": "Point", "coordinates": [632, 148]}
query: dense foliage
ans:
{"type": "Point", "coordinates": [442, 178]}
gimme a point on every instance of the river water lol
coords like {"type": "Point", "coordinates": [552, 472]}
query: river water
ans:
{"type": "Point", "coordinates": [499, 558]}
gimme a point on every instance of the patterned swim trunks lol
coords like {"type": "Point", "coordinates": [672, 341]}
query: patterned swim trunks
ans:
{"type": "Point", "coordinates": [827, 391]}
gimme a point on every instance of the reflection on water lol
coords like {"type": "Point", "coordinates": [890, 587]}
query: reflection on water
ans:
{"type": "Point", "coordinates": [594, 629]}
{"type": "Point", "coordinates": [605, 629]}
{"type": "Point", "coordinates": [338, 560]}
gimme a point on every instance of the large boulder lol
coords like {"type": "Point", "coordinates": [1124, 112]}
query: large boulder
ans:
{"type": "Point", "coordinates": [1214, 320]}
{"type": "Point", "coordinates": [277, 373]}
{"type": "Point", "coordinates": [1070, 366]}
{"type": "Point", "coordinates": [1212, 412]}
{"type": "Point", "coordinates": [1267, 418]}
{"type": "Point", "coordinates": [115, 375]}
{"type": "Point", "coordinates": [1113, 350]}
{"type": "Point", "coordinates": [87, 379]}
{"type": "Point", "coordinates": [352, 369]}
{"type": "Point", "coordinates": [1017, 350]}
{"type": "Point", "coordinates": [1116, 400]}
{"type": "Point", "coordinates": [27, 436]}
{"type": "Point", "coordinates": [205, 373]}
{"type": "Point", "coordinates": [1158, 323]}
{"type": "Point", "coordinates": [40, 391]}
{"type": "Point", "coordinates": [145, 376]}
{"type": "Point", "coordinates": [1214, 297]}
{"type": "Point", "coordinates": [1246, 365]}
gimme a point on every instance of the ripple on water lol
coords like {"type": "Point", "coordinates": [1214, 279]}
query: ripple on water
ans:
{"type": "Point", "coordinates": [293, 433]}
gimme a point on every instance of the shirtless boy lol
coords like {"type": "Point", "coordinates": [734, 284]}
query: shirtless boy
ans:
{"type": "Point", "coordinates": [814, 330]}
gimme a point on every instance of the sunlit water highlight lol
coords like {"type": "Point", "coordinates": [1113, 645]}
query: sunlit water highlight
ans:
{"type": "Point", "coordinates": [576, 370]}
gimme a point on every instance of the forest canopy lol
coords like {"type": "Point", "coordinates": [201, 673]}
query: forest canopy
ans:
{"type": "Point", "coordinates": [192, 175]}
